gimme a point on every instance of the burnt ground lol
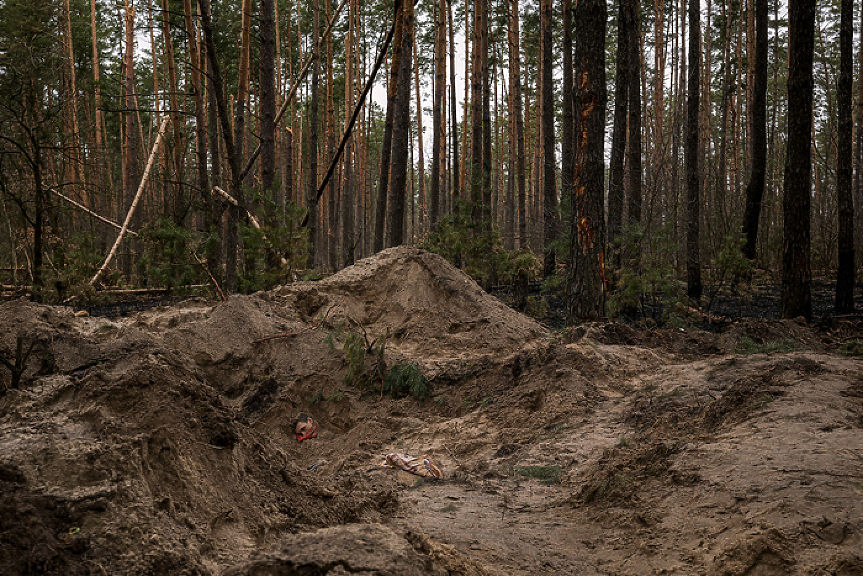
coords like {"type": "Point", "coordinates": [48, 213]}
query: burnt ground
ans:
{"type": "Point", "coordinates": [159, 442]}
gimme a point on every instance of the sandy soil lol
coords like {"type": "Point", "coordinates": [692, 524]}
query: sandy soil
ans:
{"type": "Point", "coordinates": [161, 443]}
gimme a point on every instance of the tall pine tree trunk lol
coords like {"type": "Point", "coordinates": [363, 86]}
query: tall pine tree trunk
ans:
{"type": "Point", "coordinates": [438, 143]}
{"type": "Point", "coordinates": [549, 182]}
{"type": "Point", "coordinates": [202, 175]}
{"type": "Point", "coordinates": [312, 187]}
{"type": "Point", "coordinates": [267, 78]}
{"type": "Point", "coordinates": [401, 129]}
{"type": "Point", "coordinates": [486, 117]}
{"type": "Point", "coordinates": [567, 137]}
{"type": "Point", "coordinates": [585, 283]}
{"type": "Point", "coordinates": [634, 105]}
{"type": "Point", "coordinates": [693, 179]}
{"type": "Point", "coordinates": [758, 134]}
{"type": "Point", "coordinates": [180, 204]}
{"type": "Point", "coordinates": [476, 177]}
{"type": "Point", "coordinates": [796, 297]}
{"type": "Point", "coordinates": [348, 192]}
{"type": "Point", "coordinates": [515, 86]}
{"type": "Point", "coordinates": [844, 169]}
{"type": "Point", "coordinates": [456, 170]}
{"type": "Point", "coordinates": [387, 144]}
{"type": "Point", "coordinates": [132, 171]}
{"type": "Point", "coordinates": [421, 167]}
{"type": "Point", "coordinates": [618, 133]}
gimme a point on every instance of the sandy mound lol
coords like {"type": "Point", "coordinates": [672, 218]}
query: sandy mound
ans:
{"type": "Point", "coordinates": [421, 303]}
{"type": "Point", "coordinates": [161, 443]}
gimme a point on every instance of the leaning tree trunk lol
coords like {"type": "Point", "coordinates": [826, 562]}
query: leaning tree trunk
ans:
{"type": "Point", "coordinates": [796, 272]}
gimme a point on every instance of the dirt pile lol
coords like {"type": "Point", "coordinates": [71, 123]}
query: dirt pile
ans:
{"type": "Point", "coordinates": [161, 443]}
{"type": "Point", "coordinates": [424, 306]}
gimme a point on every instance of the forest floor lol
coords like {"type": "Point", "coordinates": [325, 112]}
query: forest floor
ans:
{"type": "Point", "coordinates": [161, 442]}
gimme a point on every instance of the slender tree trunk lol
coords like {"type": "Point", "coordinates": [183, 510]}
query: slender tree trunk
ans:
{"type": "Point", "coordinates": [844, 170]}
{"type": "Point", "coordinates": [419, 140]}
{"type": "Point", "coordinates": [758, 134]}
{"type": "Point", "coordinates": [858, 151]}
{"type": "Point", "coordinates": [202, 175]}
{"type": "Point", "coordinates": [386, 146]}
{"type": "Point", "coordinates": [267, 78]}
{"type": "Point", "coordinates": [549, 180]}
{"type": "Point", "coordinates": [101, 164]}
{"type": "Point", "coordinates": [133, 172]}
{"type": "Point", "coordinates": [586, 279]}
{"type": "Point", "coordinates": [476, 176]}
{"type": "Point", "coordinates": [618, 134]}
{"type": "Point", "coordinates": [180, 204]}
{"type": "Point", "coordinates": [693, 193]}
{"type": "Point", "coordinates": [332, 188]}
{"type": "Point", "coordinates": [217, 91]}
{"type": "Point", "coordinates": [486, 118]}
{"type": "Point", "coordinates": [401, 130]}
{"type": "Point", "coordinates": [567, 137]}
{"type": "Point", "coordinates": [438, 143]}
{"type": "Point", "coordinates": [515, 80]}
{"type": "Point", "coordinates": [312, 190]}
{"type": "Point", "coordinates": [634, 104]}
{"type": "Point", "coordinates": [348, 200]}
{"type": "Point", "coordinates": [456, 170]}
{"type": "Point", "coordinates": [796, 271]}
{"type": "Point", "coordinates": [71, 103]}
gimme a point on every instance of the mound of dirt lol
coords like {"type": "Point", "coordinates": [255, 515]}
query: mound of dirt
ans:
{"type": "Point", "coordinates": [161, 443]}
{"type": "Point", "coordinates": [421, 304]}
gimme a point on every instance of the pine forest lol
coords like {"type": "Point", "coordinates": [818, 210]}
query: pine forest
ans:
{"type": "Point", "coordinates": [629, 156]}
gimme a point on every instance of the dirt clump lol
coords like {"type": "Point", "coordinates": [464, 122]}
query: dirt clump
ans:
{"type": "Point", "coordinates": [359, 548]}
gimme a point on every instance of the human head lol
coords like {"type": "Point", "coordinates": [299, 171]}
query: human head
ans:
{"type": "Point", "coordinates": [305, 427]}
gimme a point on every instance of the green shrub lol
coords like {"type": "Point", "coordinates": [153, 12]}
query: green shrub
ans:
{"type": "Point", "coordinates": [645, 283]}
{"type": "Point", "coordinates": [406, 379]}
{"type": "Point", "coordinates": [168, 259]}
{"type": "Point", "coordinates": [545, 474]}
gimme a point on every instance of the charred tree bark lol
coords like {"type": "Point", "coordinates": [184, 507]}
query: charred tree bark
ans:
{"type": "Point", "coordinates": [693, 178]}
{"type": "Point", "coordinates": [586, 281]}
{"type": "Point", "coordinates": [844, 169]}
{"type": "Point", "coordinates": [796, 297]}
{"type": "Point", "coordinates": [758, 134]}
